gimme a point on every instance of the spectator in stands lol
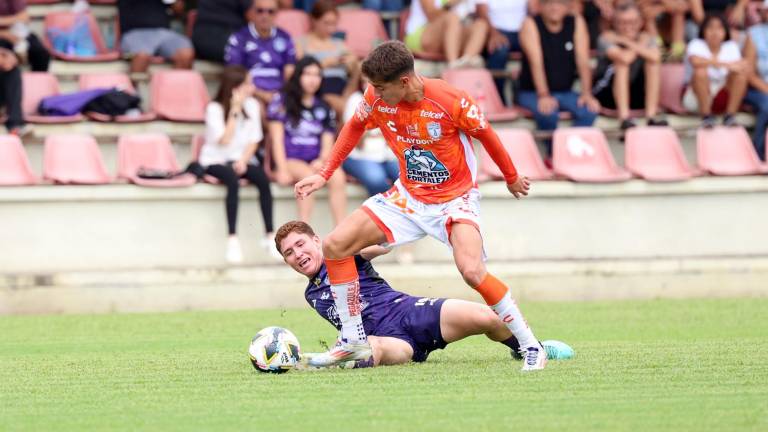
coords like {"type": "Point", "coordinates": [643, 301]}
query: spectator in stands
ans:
{"type": "Point", "coordinates": [435, 26]}
{"type": "Point", "coordinates": [371, 162]}
{"type": "Point", "coordinates": [216, 21]}
{"type": "Point", "coordinates": [756, 53]}
{"type": "Point", "coordinates": [302, 127]}
{"type": "Point", "coordinates": [628, 72]}
{"type": "Point", "coordinates": [10, 90]}
{"type": "Point", "coordinates": [734, 10]}
{"type": "Point", "coordinates": [505, 17]}
{"type": "Point", "coordinates": [555, 51]}
{"type": "Point", "coordinates": [146, 29]}
{"type": "Point", "coordinates": [232, 135]}
{"type": "Point", "coordinates": [14, 27]}
{"type": "Point", "coordinates": [673, 11]}
{"type": "Point", "coordinates": [341, 70]}
{"type": "Point", "coordinates": [384, 5]}
{"type": "Point", "coordinates": [264, 49]}
{"type": "Point", "coordinates": [715, 73]}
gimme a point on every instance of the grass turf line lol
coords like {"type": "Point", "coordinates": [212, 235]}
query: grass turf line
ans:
{"type": "Point", "coordinates": [663, 365]}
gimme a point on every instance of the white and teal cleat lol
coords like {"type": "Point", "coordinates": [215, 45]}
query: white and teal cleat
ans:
{"type": "Point", "coordinates": [557, 350]}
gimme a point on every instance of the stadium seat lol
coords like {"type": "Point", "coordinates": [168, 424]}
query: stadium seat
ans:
{"type": "Point", "coordinates": [121, 82]}
{"type": "Point", "coordinates": [150, 151]}
{"type": "Point", "coordinates": [35, 87]}
{"type": "Point", "coordinates": [364, 30]}
{"type": "Point", "coordinates": [479, 84]}
{"type": "Point", "coordinates": [14, 164]}
{"type": "Point", "coordinates": [293, 21]}
{"type": "Point", "coordinates": [65, 20]}
{"type": "Point", "coordinates": [582, 154]}
{"type": "Point", "coordinates": [178, 95]}
{"type": "Point", "coordinates": [74, 159]}
{"type": "Point", "coordinates": [727, 151]}
{"type": "Point", "coordinates": [42, 2]}
{"type": "Point", "coordinates": [522, 148]}
{"type": "Point", "coordinates": [672, 83]}
{"type": "Point", "coordinates": [655, 154]}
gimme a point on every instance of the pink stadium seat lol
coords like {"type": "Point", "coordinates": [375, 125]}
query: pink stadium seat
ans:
{"type": "Point", "coordinates": [672, 83]}
{"type": "Point", "coordinates": [65, 20]}
{"type": "Point", "coordinates": [14, 164]}
{"type": "Point", "coordinates": [582, 154]}
{"type": "Point", "coordinates": [727, 151]}
{"type": "Point", "coordinates": [36, 86]}
{"type": "Point", "coordinates": [293, 21]}
{"type": "Point", "coordinates": [179, 95]}
{"type": "Point", "coordinates": [363, 28]}
{"type": "Point", "coordinates": [522, 148]}
{"type": "Point", "coordinates": [121, 82]}
{"type": "Point", "coordinates": [479, 84]}
{"type": "Point", "coordinates": [42, 2]}
{"type": "Point", "coordinates": [73, 159]}
{"type": "Point", "coordinates": [150, 151]}
{"type": "Point", "coordinates": [655, 154]}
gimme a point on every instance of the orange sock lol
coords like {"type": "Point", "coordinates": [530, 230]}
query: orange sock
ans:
{"type": "Point", "coordinates": [492, 289]}
{"type": "Point", "coordinates": [341, 271]}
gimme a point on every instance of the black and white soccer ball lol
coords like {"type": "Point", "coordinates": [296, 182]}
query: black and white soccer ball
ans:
{"type": "Point", "coordinates": [275, 350]}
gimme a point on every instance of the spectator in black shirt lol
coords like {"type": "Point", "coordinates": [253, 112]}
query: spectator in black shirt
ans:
{"type": "Point", "coordinates": [146, 29]}
{"type": "Point", "coordinates": [10, 89]}
{"type": "Point", "coordinates": [216, 21]}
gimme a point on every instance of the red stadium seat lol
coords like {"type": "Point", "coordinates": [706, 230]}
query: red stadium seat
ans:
{"type": "Point", "coordinates": [121, 82]}
{"type": "Point", "coordinates": [35, 87]}
{"type": "Point", "coordinates": [74, 159]}
{"type": "Point", "coordinates": [728, 151]}
{"type": "Point", "coordinates": [14, 164]}
{"type": "Point", "coordinates": [672, 83]}
{"type": "Point", "coordinates": [150, 151]}
{"type": "Point", "coordinates": [479, 84]}
{"type": "Point", "coordinates": [178, 95]}
{"type": "Point", "coordinates": [522, 148]}
{"type": "Point", "coordinates": [364, 30]}
{"type": "Point", "coordinates": [582, 154]}
{"type": "Point", "coordinates": [293, 21]}
{"type": "Point", "coordinates": [65, 20]}
{"type": "Point", "coordinates": [655, 154]}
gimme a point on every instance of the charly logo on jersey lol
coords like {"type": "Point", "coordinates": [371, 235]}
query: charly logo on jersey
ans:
{"type": "Point", "coordinates": [423, 167]}
{"type": "Point", "coordinates": [434, 130]}
{"type": "Point", "coordinates": [251, 46]}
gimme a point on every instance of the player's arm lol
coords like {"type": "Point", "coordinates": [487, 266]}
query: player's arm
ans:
{"type": "Point", "coordinates": [374, 251]}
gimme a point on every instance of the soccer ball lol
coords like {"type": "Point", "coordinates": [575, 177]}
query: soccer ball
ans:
{"type": "Point", "coordinates": [274, 349]}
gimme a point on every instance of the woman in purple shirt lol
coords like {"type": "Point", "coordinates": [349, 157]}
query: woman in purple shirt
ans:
{"type": "Point", "coordinates": [302, 127]}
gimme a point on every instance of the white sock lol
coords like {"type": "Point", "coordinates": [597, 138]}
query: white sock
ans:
{"type": "Point", "coordinates": [346, 297]}
{"type": "Point", "coordinates": [510, 314]}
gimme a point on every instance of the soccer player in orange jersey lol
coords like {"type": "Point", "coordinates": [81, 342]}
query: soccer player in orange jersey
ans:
{"type": "Point", "coordinates": [428, 125]}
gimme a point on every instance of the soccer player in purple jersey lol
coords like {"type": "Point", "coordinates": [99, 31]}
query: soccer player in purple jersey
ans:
{"type": "Point", "coordinates": [400, 327]}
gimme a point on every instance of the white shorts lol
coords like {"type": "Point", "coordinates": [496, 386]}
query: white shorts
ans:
{"type": "Point", "coordinates": [404, 219]}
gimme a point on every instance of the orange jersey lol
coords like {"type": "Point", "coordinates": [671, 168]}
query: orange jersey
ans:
{"type": "Point", "coordinates": [431, 139]}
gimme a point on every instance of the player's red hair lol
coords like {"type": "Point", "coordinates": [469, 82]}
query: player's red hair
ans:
{"type": "Point", "coordinates": [298, 227]}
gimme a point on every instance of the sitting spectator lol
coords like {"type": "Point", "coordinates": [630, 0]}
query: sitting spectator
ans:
{"type": "Point", "coordinates": [756, 52]}
{"type": "Point", "coordinates": [629, 69]}
{"type": "Point", "coordinates": [146, 29]}
{"type": "Point", "coordinates": [10, 90]}
{"type": "Point", "coordinates": [674, 11]}
{"type": "Point", "coordinates": [341, 70]}
{"type": "Point", "coordinates": [264, 49]}
{"type": "Point", "coordinates": [505, 18]}
{"type": "Point", "coordinates": [302, 127]}
{"type": "Point", "coordinates": [216, 21]}
{"type": "Point", "coordinates": [435, 26]}
{"type": "Point", "coordinates": [734, 10]}
{"type": "Point", "coordinates": [371, 162]}
{"type": "Point", "coordinates": [555, 50]}
{"type": "Point", "coordinates": [232, 135]}
{"type": "Point", "coordinates": [715, 73]}
{"type": "Point", "coordinates": [14, 27]}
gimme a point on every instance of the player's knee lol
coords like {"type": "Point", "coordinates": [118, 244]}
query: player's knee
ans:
{"type": "Point", "coordinates": [334, 247]}
{"type": "Point", "coordinates": [486, 320]}
{"type": "Point", "coordinates": [473, 274]}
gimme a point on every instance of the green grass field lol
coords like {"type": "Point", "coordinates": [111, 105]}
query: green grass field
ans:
{"type": "Point", "coordinates": [657, 365]}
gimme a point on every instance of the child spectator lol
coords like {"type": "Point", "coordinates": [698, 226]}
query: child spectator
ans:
{"type": "Point", "coordinates": [146, 29]}
{"type": "Point", "coordinates": [265, 50]}
{"type": "Point", "coordinates": [302, 127]}
{"type": "Point", "coordinates": [232, 135]}
{"type": "Point", "coordinates": [715, 73]}
{"type": "Point", "coordinates": [628, 73]}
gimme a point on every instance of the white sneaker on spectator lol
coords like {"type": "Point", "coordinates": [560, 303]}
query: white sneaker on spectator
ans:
{"type": "Point", "coordinates": [268, 243]}
{"type": "Point", "coordinates": [234, 253]}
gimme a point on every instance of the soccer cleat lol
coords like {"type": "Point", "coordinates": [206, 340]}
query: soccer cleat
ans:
{"type": "Point", "coordinates": [342, 352]}
{"type": "Point", "coordinates": [534, 358]}
{"type": "Point", "coordinates": [557, 350]}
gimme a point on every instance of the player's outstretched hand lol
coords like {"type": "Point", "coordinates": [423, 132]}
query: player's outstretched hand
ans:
{"type": "Point", "coordinates": [520, 187]}
{"type": "Point", "coordinates": [308, 185]}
